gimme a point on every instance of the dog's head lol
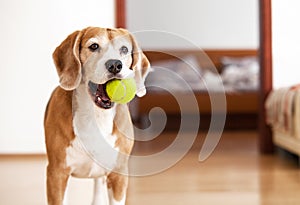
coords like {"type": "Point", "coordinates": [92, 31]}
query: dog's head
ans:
{"type": "Point", "coordinates": [94, 56]}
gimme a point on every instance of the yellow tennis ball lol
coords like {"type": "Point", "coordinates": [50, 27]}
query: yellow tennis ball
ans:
{"type": "Point", "coordinates": [121, 90]}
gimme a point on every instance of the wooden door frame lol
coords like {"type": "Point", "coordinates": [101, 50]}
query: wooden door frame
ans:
{"type": "Point", "coordinates": [120, 9]}
{"type": "Point", "coordinates": [265, 134]}
{"type": "Point", "coordinates": [266, 82]}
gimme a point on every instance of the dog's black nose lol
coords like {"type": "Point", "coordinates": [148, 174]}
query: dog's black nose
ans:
{"type": "Point", "coordinates": [114, 66]}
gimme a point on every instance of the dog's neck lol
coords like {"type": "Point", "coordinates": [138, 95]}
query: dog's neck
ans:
{"type": "Point", "coordinates": [86, 114]}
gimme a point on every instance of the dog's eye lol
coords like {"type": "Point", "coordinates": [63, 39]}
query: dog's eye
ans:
{"type": "Point", "coordinates": [123, 50]}
{"type": "Point", "coordinates": [94, 47]}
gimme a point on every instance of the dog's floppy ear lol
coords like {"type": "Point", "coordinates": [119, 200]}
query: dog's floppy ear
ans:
{"type": "Point", "coordinates": [67, 62]}
{"type": "Point", "coordinates": [141, 67]}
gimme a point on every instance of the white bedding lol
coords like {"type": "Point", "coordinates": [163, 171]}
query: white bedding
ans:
{"type": "Point", "coordinates": [283, 110]}
{"type": "Point", "coordinates": [238, 74]}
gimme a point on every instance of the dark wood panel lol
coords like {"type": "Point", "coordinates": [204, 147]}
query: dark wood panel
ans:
{"type": "Point", "coordinates": [120, 9]}
{"type": "Point", "coordinates": [265, 133]}
{"type": "Point", "coordinates": [236, 103]}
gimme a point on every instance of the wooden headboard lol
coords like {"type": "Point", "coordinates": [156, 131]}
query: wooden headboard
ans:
{"type": "Point", "coordinates": [241, 102]}
{"type": "Point", "coordinates": [214, 56]}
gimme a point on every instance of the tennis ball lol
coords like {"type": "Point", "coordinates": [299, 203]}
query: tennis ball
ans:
{"type": "Point", "coordinates": [121, 90]}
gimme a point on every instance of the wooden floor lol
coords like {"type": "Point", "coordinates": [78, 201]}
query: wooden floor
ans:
{"type": "Point", "coordinates": [234, 174]}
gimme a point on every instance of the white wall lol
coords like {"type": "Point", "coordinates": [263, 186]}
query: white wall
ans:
{"type": "Point", "coordinates": [30, 31]}
{"type": "Point", "coordinates": [207, 23]}
{"type": "Point", "coordinates": [286, 42]}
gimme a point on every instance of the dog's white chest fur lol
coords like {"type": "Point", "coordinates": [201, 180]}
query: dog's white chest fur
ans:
{"type": "Point", "coordinates": [93, 127]}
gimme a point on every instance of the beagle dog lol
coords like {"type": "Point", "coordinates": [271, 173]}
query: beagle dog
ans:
{"type": "Point", "coordinates": [79, 111]}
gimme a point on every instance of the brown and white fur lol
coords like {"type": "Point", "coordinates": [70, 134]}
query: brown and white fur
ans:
{"type": "Point", "coordinates": [78, 110]}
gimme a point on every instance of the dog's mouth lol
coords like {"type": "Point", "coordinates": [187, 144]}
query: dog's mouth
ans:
{"type": "Point", "coordinates": [99, 95]}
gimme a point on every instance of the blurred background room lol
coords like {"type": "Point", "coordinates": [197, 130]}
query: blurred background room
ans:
{"type": "Point", "coordinates": [223, 89]}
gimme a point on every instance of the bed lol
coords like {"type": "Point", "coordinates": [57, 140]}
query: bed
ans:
{"type": "Point", "coordinates": [283, 115]}
{"type": "Point", "coordinates": [218, 71]}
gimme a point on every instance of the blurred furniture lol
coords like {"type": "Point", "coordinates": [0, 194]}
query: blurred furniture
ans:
{"type": "Point", "coordinates": [241, 105]}
{"type": "Point", "coordinates": [283, 115]}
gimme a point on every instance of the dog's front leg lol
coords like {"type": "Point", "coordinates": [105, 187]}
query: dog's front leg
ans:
{"type": "Point", "coordinates": [100, 191]}
{"type": "Point", "coordinates": [117, 185]}
{"type": "Point", "coordinates": [56, 186]}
